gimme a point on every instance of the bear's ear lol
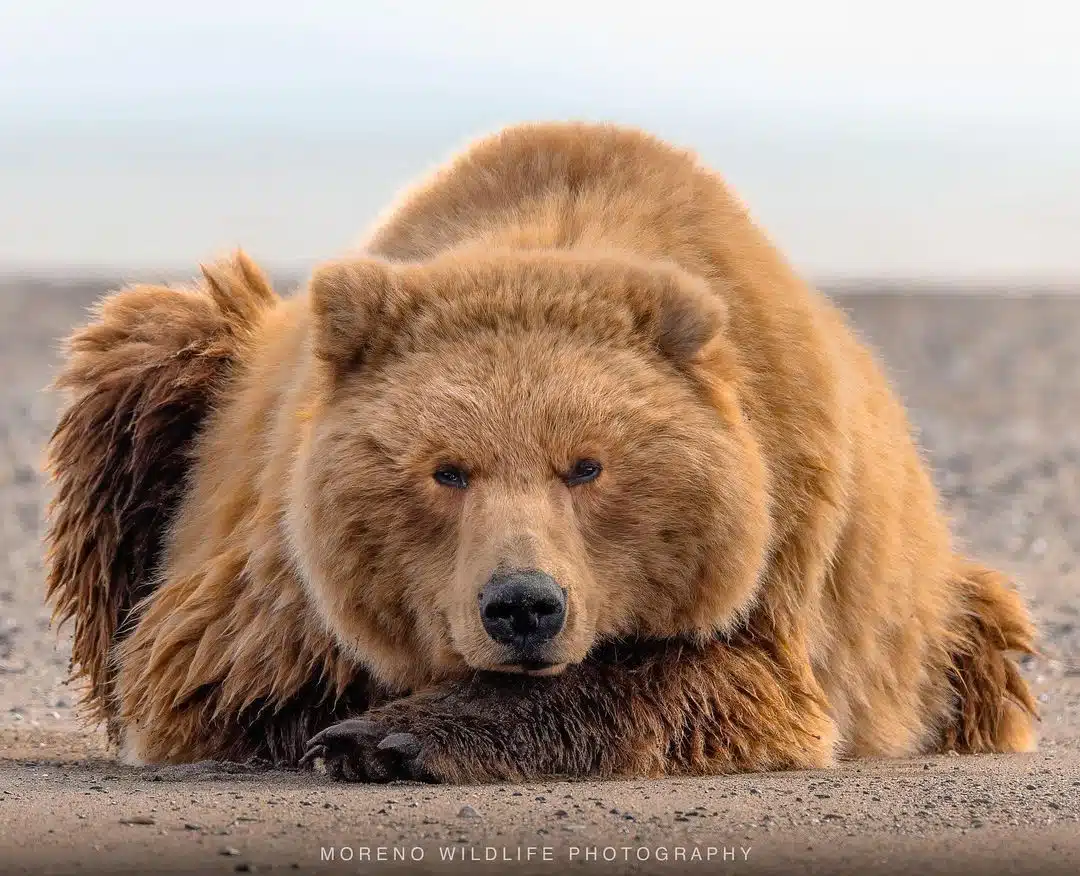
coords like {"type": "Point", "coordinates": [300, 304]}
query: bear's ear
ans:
{"type": "Point", "coordinates": [347, 298]}
{"type": "Point", "coordinates": [685, 315]}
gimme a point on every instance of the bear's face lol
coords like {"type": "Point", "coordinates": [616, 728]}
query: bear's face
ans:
{"type": "Point", "coordinates": [513, 458]}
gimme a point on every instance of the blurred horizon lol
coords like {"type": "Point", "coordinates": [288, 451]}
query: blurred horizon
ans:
{"type": "Point", "coordinates": [938, 143]}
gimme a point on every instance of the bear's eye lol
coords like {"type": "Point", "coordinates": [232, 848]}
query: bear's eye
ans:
{"type": "Point", "coordinates": [583, 471]}
{"type": "Point", "coordinates": [451, 476]}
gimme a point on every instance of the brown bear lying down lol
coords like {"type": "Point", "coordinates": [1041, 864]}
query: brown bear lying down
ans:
{"type": "Point", "coordinates": [564, 473]}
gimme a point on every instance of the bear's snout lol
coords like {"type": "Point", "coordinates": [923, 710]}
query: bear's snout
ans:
{"type": "Point", "coordinates": [523, 609]}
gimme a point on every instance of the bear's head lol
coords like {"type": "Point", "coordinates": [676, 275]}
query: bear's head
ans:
{"type": "Point", "coordinates": [510, 457]}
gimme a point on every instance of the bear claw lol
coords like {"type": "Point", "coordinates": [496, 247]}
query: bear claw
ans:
{"type": "Point", "coordinates": [360, 750]}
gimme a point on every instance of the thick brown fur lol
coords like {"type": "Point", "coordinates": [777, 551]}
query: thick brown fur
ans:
{"type": "Point", "coordinates": [760, 578]}
{"type": "Point", "coordinates": [141, 378]}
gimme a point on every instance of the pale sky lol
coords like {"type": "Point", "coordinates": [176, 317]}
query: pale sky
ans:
{"type": "Point", "coordinates": [924, 138]}
{"type": "Point", "coordinates": [978, 58]}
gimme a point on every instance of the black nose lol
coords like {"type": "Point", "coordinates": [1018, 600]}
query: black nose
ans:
{"type": "Point", "coordinates": [522, 608]}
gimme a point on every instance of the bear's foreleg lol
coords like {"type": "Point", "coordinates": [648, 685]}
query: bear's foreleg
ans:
{"type": "Point", "coordinates": [635, 709]}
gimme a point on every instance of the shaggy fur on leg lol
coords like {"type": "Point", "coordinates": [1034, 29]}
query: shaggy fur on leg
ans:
{"type": "Point", "coordinates": [140, 378]}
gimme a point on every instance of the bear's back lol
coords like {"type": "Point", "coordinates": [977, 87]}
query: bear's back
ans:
{"type": "Point", "coordinates": [560, 186]}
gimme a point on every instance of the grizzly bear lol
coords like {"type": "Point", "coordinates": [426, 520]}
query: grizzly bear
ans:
{"type": "Point", "coordinates": [565, 472]}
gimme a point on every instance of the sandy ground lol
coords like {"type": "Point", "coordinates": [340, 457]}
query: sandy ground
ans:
{"type": "Point", "coordinates": [993, 383]}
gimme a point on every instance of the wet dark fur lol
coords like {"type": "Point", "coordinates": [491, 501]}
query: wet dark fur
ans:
{"type": "Point", "coordinates": [640, 708]}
